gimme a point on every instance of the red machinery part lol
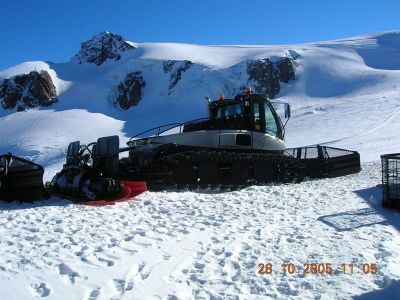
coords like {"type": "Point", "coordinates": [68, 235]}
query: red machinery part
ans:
{"type": "Point", "coordinates": [129, 190]}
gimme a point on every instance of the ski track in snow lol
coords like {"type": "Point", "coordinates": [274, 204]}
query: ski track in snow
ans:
{"type": "Point", "coordinates": [202, 244]}
{"type": "Point", "coordinates": [381, 125]}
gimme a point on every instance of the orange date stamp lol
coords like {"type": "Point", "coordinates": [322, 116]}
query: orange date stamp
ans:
{"type": "Point", "coordinates": [318, 269]}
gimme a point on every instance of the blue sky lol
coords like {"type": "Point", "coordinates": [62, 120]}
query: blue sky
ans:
{"type": "Point", "coordinates": [53, 30]}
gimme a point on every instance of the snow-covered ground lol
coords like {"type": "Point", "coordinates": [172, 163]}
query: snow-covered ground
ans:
{"type": "Point", "coordinates": [207, 245]}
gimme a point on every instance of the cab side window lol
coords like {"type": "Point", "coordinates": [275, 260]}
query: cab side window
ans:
{"type": "Point", "coordinates": [257, 116]}
{"type": "Point", "coordinates": [270, 122]}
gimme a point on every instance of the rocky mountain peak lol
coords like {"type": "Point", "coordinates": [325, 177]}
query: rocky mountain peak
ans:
{"type": "Point", "coordinates": [265, 75]}
{"type": "Point", "coordinates": [28, 91]}
{"type": "Point", "coordinates": [102, 47]}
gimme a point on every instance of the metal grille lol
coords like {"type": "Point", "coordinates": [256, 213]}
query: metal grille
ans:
{"type": "Point", "coordinates": [13, 164]}
{"type": "Point", "coordinates": [391, 180]}
{"type": "Point", "coordinates": [318, 152]}
{"type": "Point", "coordinates": [335, 152]}
{"type": "Point", "coordinates": [303, 153]}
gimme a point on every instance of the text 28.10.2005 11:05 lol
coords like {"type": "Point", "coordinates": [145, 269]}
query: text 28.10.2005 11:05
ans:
{"type": "Point", "coordinates": [319, 268]}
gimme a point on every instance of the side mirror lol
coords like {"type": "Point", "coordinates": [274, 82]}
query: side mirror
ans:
{"type": "Point", "coordinates": [287, 111]}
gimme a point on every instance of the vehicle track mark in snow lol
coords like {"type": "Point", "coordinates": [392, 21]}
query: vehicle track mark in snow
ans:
{"type": "Point", "coordinates": [67, 272]}
{"type": "Point", "coordinates": [93, 294]}
{"type": "Point", "coordinates": [40, 289]}
{"type": "Point", "coordinates": [105, 261]}
{"type": "Point", "coordinates": [122, 286]}
{"type": "Point", "coordinates": [134, 271]}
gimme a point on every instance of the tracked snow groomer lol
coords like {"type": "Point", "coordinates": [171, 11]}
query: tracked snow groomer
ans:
{"type": "Point", "coordinates": [240, 143]}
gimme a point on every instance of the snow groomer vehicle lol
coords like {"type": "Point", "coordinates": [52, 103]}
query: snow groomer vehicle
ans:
{"type": "Point", "coordinates": [240, 143]}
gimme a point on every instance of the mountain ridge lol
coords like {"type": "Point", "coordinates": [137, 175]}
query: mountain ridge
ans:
{"type": "Point", "coordinates": [110, 51]}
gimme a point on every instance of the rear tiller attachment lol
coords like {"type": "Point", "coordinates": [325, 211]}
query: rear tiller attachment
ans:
{"type": "Point", "coordinates": [91, 175]}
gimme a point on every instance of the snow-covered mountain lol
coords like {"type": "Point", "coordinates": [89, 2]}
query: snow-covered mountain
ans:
{"type": "Point", "coordinates": [344, 93]}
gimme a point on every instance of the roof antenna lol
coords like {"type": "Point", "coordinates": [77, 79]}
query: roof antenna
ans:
{"type": "Point", "coordinates": [208, 101]}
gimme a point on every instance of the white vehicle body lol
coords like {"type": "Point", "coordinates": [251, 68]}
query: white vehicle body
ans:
{"type": "Point", "coordinates": [234, 139]}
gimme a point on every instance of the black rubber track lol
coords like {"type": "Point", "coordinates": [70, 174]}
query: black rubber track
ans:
{"type": "Point", "coordinates": [219, 170]}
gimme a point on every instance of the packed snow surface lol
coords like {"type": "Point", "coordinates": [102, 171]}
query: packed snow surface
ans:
{"type": "Point", "coordinates": [199, 244]}
{"type": "Point", "coordinates": [209, 244]}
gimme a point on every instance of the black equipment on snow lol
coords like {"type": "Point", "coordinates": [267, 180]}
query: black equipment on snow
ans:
{"type": "Point", "coordinates": [20, 179]}
{"type": "Point", "coordinates": [391, 180]}
{"type": "Point", "coordinates": [90, 171]}
{"type": "Point", "coordinates": [91, 174]}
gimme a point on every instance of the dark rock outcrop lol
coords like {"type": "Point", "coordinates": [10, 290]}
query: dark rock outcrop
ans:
{"type": "Point", "coordinates": [265, 76]}
{"type": "Point", "coordinates": [168, 65]}
{"type": "Point", "coordinates": [285, 68]}
{"type": "Point", "coordinates": [28, 91]}
{"type": "Point", "coordinates": [177, 74]}
{"type": "Point", "coordinates": [102, 47]}
{"type": "Point", "coordinates": [130, 90]}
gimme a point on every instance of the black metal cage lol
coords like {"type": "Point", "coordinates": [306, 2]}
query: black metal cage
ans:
{"type": "Point", "coordinates": [391, 180]}
{"type": "Point", "coordinates": [323, 161]}
{"type": "Point", "coordinates": [20, 179]}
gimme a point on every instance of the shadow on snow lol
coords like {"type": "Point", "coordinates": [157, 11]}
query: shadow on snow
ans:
{"type": "Point", "coordinates": [390, 291]}
{"type": "Point", "coordinates": [54, 201]}
{"type": "Point", "coordinates": [375, 214]}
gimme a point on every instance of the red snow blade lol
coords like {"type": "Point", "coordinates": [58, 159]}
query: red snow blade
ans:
{"type": "Point", "coordinates": [129, 189]}
{"type": "Point", "coordinates": [137, 187]}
